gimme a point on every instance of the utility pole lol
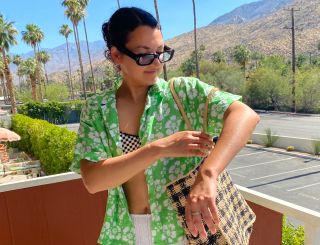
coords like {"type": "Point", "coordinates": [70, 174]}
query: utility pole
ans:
{"type": "Point", "coordinates": [293, 30]}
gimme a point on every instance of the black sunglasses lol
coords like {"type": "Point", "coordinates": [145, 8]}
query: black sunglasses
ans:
{"type": "Point", "coordinates": [147, 59]}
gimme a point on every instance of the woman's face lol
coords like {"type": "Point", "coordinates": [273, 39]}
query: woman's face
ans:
{"type": "Point", "coordinates": [143, 39]}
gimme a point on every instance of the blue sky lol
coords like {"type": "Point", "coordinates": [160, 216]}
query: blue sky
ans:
{"type": "Point", "coordinates": [175, 16]}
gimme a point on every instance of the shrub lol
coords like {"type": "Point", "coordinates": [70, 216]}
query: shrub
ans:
{"type": "Point", "coordinates": [290, 148]}
{"type": "Point", "coordinates": [292, 235]}
{"type": "Point", "coordinates": [316, 147]}
{"type": "Point", "coordinates": [269, 139]}
{"type": "Point", "coordinates": [49, 143]}
{"type": "Point", "coordinates": [53, 112]}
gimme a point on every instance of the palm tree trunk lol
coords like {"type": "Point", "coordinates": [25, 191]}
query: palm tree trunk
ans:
{"type": "Point", "coordinates": [33, 87]}
{"type": "Point", "coordinates": [195, 38]}
{"type": "Point", "coordinates": [19, 83]}
{"type": "Point", "coordinates": [80, 60]}
{"type": "Point", "coordinates": [46, 74]}
{"type": "Point", "coordinates": [39, 76]}
{"type": "Point", "coordinates": [118, 3]}
{"type": "Point", "coordinates": [158, 19]}
{"type": "Point", "coordinates": [70, 78]}
{"type": "Point", "coordinates": [4, 88]}
{"type": "Point", "coordinates": [10, 85]}
{"type": "Point", "coordinates": [85, 31]}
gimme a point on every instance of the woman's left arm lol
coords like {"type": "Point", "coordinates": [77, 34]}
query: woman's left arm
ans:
{"type": "Point", "coordinates": [239, 123]}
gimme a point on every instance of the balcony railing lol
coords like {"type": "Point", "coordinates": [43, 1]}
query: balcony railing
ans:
{"type": "Point", "coordinates": [58, 210]}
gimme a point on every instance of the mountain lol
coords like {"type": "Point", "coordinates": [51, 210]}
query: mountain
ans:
{"type": "Point", "coordinates": [267, 34]}
{"type": "Point", "coordinates": [59, 60]}
{"type": "Point", "coordinates": [250, 11]}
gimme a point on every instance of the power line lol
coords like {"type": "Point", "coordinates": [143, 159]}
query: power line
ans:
{"type": "Point", "coordinates": [293, 37]}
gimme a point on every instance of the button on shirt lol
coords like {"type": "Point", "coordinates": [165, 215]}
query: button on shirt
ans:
{"type": "Point", "coordinates": [99, 138]}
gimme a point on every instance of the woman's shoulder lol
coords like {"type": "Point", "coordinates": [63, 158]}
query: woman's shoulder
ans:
{"type": "Point", "coordinates": [189, 84]}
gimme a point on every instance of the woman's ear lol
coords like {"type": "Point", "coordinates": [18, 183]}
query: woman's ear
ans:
{"type": "Point", "coordinates": [116, 55]}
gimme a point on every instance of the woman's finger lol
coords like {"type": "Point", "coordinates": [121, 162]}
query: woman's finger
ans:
{"type": "Point", "coordinates": [207, 216]}
{"type": "Point", "coordinates": [191, 227]}
{"type": "Point", "coordinates": [197, 218]}
{"type": "Point", "coordinates": [214, 211]}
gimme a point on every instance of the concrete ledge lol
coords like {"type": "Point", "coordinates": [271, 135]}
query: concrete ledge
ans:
{"type": "Point", "coordinates": [300, 144]}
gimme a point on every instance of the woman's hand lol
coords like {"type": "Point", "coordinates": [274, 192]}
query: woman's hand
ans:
{"type": "Point", "coordinates": [201, 203]}
{"type": "Point", "coordinates": [184, 144]}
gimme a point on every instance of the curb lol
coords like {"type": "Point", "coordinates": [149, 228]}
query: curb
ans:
{"type": "Point", "coordinates": [287, 113]}
{"type": "Point", "coordinates": [284, 152]}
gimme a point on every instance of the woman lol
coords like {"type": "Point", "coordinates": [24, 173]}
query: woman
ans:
{"type": "Point", "coordinates": [132, 140]}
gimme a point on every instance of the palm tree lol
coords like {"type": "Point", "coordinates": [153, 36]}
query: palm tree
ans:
{"type": "Point", "coordinates": [17, 61]}
{"type": "Point", "coordinates": [158, 19]}
{"type": "Point", "coordinates": [66, 31]}
{"type": "Point", "coordinates": [241, 54]}
{"type": "Point", "coordinates": [33, 36]}
{"type": "Point", "coordinates": [44, 57]}
{"type": "Point", "coordinates": [218, 57]}
{"type": "Point", "coordinates": [8, 35]}
{"type": "Point", "coordinates": [75, 13]}
{"type": "Point", "coordinates": [3, 84]}
{"type": "Point", "coordinates": [29, 68]}
{"type": "Point", "coordinates": [84, 4]}
{"type": "Point", "coordinates": [195, 37]}
{"type": "Point", "coordinates": [118, 1]}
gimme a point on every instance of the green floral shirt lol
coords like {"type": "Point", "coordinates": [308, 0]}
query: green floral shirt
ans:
{"type": "Point", "coordinates": [99, 138]}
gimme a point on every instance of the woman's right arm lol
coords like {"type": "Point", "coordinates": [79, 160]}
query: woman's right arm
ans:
{"type": "Point", "coordinates": [115, 171]}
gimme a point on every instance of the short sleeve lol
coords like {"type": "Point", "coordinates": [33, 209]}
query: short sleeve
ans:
{"type": "Point", "coordinates": [216, 109]}
{"type": "Point", "coordinates": [193, 92]}
{"type": "Point", "coordinates": [91, 143]}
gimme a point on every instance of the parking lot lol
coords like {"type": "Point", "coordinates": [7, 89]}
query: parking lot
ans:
{"type": "Point", "coordinates": [290, 178]}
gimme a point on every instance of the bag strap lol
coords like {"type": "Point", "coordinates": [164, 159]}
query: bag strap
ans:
{"type": "Point", "coordinates": [182, 111]}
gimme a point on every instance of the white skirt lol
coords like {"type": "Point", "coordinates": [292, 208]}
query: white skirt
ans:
{"type": "Point", "coordinates": [142, 224]}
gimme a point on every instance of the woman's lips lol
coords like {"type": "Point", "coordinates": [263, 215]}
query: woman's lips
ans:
{"type": "Point", "coordinates": [150, 72]}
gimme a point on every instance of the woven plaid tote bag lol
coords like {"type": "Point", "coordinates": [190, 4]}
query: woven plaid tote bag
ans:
{"type": "Point", "coordinates": [236, 217]}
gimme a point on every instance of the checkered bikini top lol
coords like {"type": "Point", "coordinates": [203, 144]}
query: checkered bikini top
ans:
{"type": "Point", "coordinates": [129, 142]}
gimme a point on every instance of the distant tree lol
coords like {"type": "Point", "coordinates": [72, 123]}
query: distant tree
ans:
{"type": "Point", "coordinates": [3, 83]}
{"type": "Point", "coordinates": [308, 90]}
{"type": "Point", "coordinates": [33, 36]}
{"type": "Point", "coordinates": [165, 76]}
{"type": "Point", "coordinates": [301, 60]}
{"type": "Point", "coordinates": [267, 89]}
{"type": "Point", "coordinates": [84, 4]}
{"type": "Point", "coordinates": [189, 67]}
{"type": "Point", "coordinates": [16, 59]}
{"type": "Point", "coordinates": [66, 31]}
{"type": "Point", "coordinates": [43, 58]}
{"type": "Point", "coordinates": [218, 57]}
{"type": "Point", "coordinates": [29, 68]}
{"type": "Point", "coordinates": [8, 35]}
{"type": "Point", "coordinates": [75, 12]}
{"type": "Point", "coordinates": [241, 55]}
{"type": "Point", "coordinates": [57, 92]}
{"type": "Point", "coordinates": [257, 57]}
{"type": "Point", "coordinates": [195, 39]}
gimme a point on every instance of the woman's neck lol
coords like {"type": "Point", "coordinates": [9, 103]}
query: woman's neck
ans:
{"type": "Point", "coordinates": [133, 93]}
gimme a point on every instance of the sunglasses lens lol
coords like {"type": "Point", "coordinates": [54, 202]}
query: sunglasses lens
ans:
{"type": "Point", "coordinates": [146, 59]}
{"type": "Point", "coordinates": [165, 56]}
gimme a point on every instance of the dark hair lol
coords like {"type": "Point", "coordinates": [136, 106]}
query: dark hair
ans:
{"type": "Point", "coordinates": [122, 23]}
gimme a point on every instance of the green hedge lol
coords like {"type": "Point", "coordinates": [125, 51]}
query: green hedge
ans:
{"type": "Point", "coordinates": [292, 235]}
{"type": "Point", "coordinates": [53, 112]}
{"type": "Point", "coordinates": [52, 145]}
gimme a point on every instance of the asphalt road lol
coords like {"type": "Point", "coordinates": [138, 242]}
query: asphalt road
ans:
{"type": "Point", "coordinates": [290, 178]}
{"type": "Point", "coordinates": [290, 125]}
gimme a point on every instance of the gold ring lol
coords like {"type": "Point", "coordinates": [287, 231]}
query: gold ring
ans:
{"type": "Point", "coordinates": [195, 213]}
